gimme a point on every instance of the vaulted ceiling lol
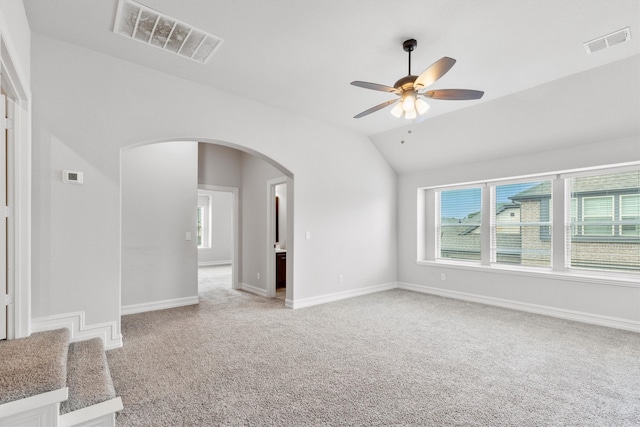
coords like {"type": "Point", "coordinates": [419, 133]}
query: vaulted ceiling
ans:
{"type": "Point", "coordinates": [301, 55]}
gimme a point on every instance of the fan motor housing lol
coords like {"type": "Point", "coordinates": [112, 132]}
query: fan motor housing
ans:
{"type": "Point", "coordinates": [406, 83]}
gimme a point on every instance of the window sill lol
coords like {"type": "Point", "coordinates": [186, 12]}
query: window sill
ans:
{"type": "Point", "coordinates": [614, 279]}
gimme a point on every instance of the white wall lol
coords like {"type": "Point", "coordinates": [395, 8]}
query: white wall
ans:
{"type": "Point", "coordinates": [592, 298]}
{"type": "Point", "coordinates": [87, 106]}
{"type": "Point", "coordinates": [221, 228]}
{"type": "Point", "coordinates": [15, 29]}
{"type": "Point", "coordinates": [159, 199]}
{"type": "Point", "coordinates": [255, 174]}
{"type": "Point", "coordinates": [219, 165]}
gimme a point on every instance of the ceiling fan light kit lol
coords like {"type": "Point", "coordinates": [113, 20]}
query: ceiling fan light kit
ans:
{"type": "Point", "coordinates": [410, 88]}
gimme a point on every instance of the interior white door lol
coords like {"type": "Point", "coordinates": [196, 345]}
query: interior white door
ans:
{"type": "Point", "coordinates": [4, 223]}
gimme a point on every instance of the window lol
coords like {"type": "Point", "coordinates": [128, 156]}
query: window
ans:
{"type": "Point", "coordinates": [521, 226]}
{"type": "Point", "coordinates": [599, 211]}
{"type": "Point", "coordinates": [601, 230]}
{"type": "Point", "coordinates": [204, 221]}
{"type": "Point", "coordinates": [605, 227]}
{"type": "Point", "coordinates": [630, 215]}
{"type": "Point", "coordinates": [459, 224]}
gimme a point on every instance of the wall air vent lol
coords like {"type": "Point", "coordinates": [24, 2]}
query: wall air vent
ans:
{"type": "Point", "coordinates": [139, 22]}
{"type": "Point", "coordinates": [608, 40]}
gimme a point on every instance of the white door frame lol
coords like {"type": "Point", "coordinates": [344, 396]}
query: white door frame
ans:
{"type": "Point", "coordinates": [235, 254]}
{"type": "Point", "coordinates": [271, 233]}
{"type": "Point", "coordinates": [16, 87]}
{"type": "Point", "coordinates": [4, 225]}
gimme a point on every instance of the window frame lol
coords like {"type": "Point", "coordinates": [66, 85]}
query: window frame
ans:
{"type": "Point", "coordinates": [439, 225]}
{"type": "Point", "coordinates": [543, 225]}
{"type": "Point", "coordinates": [583, 217]}
{"type": "Point", "coordinates": [560, 215]}
{"type": "Point", "coordinates": [622, 219]}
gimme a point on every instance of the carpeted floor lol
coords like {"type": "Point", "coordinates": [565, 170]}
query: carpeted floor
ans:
{"type": "Point", "coordinates": [213, 281]}
{"type": "Point", "coordinates": [394, 358]}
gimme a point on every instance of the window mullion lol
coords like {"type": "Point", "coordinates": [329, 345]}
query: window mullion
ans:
{"type": "Point", "coordinates": [491, 219]}
{"type": "Point", "coordinates": [485, 236]}
{"type": "Point", "coordinates": [560, 223]}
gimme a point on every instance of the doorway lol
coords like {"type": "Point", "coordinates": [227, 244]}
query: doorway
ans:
{"type": "Point", "coordinates": [277, 238]}
{"type": "Point", "coordinates": [217, 239]}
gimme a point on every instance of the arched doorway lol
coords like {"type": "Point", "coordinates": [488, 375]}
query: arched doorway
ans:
{"type": "Point", "coordinates": [159, 227]}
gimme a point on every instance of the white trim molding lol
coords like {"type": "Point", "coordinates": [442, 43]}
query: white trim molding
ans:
{"type": "Point", "coordinates": [337, 296]}
{"type": "Point", "coordinates": [80, 331]}
{"type": "Point", "coordinates": [578, 316]}
{"type": "Point", "coordinates": [39, 410]}
{"type": "Point", "coordinates": [253, 289]}
{"type": "Point", "coordinates": [101, 414]}
{"type": "Point", "coordinates": [158, 305]}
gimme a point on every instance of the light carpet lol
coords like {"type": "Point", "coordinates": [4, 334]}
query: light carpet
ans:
{"type": "Point", "coordinates": [393, 358]}
{"type": "Point", "coordinates": [33, 365]}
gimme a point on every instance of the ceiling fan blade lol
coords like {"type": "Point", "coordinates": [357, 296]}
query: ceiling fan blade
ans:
{"type": "Point", "coordinates": [375, 86]}
{"type": "Point", "coordinates": [376, 108]}
{"type": "Point", "coordinates": [454, 94]}
{"type": "Point", "coordinates": [434, 72]}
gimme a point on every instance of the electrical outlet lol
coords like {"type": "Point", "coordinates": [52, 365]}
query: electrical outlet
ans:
{"type": "Point", "coordinates": [340, 278]}
{"type": "Point", "coordinates": [258, 276]}
{"type": "Point", "coordinates": [442, 276]}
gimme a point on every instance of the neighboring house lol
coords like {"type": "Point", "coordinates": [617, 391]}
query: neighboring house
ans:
{"type": "Point", "coordinates": [605, 221]}
{"type": "Point", "coordinates": [460, 238]}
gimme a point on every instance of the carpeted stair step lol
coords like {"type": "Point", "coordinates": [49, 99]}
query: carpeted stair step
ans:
{"type": "Point", "coordinates": [88, 376]}
{"type": "Point", "coordinates": [33, 365]}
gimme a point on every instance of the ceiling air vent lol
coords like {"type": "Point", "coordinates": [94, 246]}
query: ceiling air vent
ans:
{"type": "Point", "coordinates": [151, 27]}
{"type": "Point", "coordinates": [608, 40]}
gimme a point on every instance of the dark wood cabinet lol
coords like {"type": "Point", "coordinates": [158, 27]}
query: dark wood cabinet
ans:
{"type": "Point", "coordinates": [281, 270]}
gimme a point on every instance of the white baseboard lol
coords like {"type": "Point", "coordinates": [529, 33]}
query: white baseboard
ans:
{"type": "Point", "coordinates": [158, 305]}
{"type": "Point", "coordinates": [252, 289]}
{"type": "Point", "coordinates": [578, 316]}
{"type": "Point", "coordinates": [80, 331]}
{"type": "Point", "coordinates": [323, 299]}
{"type": "Point", "coordinates": [208, 263]}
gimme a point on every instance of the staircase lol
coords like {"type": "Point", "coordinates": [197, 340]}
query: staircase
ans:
{"type": "Point", "coordinates": [47, 381]}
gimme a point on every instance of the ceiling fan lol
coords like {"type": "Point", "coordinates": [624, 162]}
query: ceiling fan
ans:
{"type": "Point", "coordinates": [410, 88]}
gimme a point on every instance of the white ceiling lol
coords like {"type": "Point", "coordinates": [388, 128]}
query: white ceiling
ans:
{"type": "Point", "coordinates": [301, 55]}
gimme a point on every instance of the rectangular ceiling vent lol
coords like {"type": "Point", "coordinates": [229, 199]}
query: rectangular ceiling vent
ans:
{"type": "Point", "coordinates": [608, 40]}
{"type": "Point", "coordinates": [139, 22]}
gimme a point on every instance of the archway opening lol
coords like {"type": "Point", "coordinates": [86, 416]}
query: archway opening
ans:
{"type": "Point", "coordinates": [160, 231]}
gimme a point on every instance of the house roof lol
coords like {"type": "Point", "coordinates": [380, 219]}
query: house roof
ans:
{"type": "Point", "coordinates": [620, 182]}
{"type": "Point", "coordinates": [542, 190]}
